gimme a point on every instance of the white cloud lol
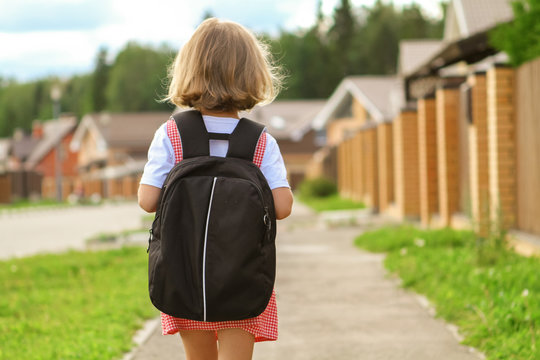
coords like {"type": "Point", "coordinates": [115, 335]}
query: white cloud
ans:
{"type": "Point", "coordinates": [62, 48]}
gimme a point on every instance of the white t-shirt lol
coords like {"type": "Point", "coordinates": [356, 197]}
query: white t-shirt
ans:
{"type": "Point", "coordinates": [161, 154]}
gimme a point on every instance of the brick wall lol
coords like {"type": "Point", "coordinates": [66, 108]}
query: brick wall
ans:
{"type": "Point", "coordinates": [406, 164]}
{"type": "Point", "coordinates": [385, 165]}
{"type": "Point", "coordinates": [427, 161]}
{"type": "Point", "coordinates": [478, 161]}
{"type": "Point", "coordinates": [447, 114]}
{"type": "Point", "coordinates": [345, 163]}
{"type": "Point", "coordinates": [501, 145]}
{"type": "Point", "coordinates": [371, 195]}
{"type": "Point", "coordinates": [357, 171]}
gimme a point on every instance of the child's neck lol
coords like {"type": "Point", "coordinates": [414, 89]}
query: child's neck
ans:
{"type": "Point", "coordinates": [230, 114]}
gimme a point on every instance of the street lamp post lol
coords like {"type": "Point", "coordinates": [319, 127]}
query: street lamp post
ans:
{"type": "Point", "coordinates": [56, 94]}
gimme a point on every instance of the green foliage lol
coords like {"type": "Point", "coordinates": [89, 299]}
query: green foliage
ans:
{"type": "Point", "coordinates": [520, 39]}
{"type": "Point", "coordinates": [133, 83]}
{"type": "Point", "coordinates": [137, 77]}
{"type": "Point", "coordinates": [354, 41]}
{"type": "Point", "coordinates": [100, 79]}
{"type": "Point", "coordinates": [396, 238]}
{"type": "Point", "coordinates": [29, 204]}
{"type": "Point", "coordinates": [319, 187]}
{"type": "Point", "coordinates": [78, 305]}
{"type": "Point", "coordinates": [18, 107]}
{"type": "Point", "coordinates": [321, 195]}
{"type": "Point", "coordinates": [358, 41]}
{"type": "Point", "coordinates": [497, 307]}
{"type": "Point", "coordinates": [342, 35]}
{"type": "Point", "coordinates": [77, 96]}
{"type": "Point", "coordinates": [329, 203]}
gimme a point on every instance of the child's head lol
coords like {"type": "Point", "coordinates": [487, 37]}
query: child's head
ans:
{"type": "Point", "coordinates": [223, 67]}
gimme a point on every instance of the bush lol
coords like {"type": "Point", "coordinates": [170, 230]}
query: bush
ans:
{"type": "Point", "coordinates": [319, 187]}
{"type": "Point", "coordinates": [520, 38]}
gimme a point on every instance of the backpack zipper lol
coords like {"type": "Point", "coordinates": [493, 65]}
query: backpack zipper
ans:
{"type": "Point", "coordinates": [204, 248]}
{"type": "Point", "coordinates": [266, 217]}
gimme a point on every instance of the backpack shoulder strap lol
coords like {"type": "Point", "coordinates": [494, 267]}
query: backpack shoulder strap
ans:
{"type": "Point", "coordinates": [193, 135]}
{"type": "Point", "coordinates": [246, 140]}
{"type": "Point", "coordinates": [176, 142]}
{"type": "Point", "coordinates": [259, 150]}
{"type": "Point", "coordinates": [189, 138]}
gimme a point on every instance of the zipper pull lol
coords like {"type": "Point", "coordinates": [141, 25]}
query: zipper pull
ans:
{"type": "Point", "coordinates": [150, 240]}
{"type": "Point", "coordinates": [266, 219]}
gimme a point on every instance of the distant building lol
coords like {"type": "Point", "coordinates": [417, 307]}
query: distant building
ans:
{"type": "Point", "coordinates": [53, 136]}
{"type": "Point", "coordinates": [354, 118]}
{"type": "Point", "coordinates": [15, 181]}
{"type": "Point", "coordinates": [290, 123]}
{"type": "Point", "coordinates": [5, 182]}
{"type": "Point", "coordinates": [113, 151]}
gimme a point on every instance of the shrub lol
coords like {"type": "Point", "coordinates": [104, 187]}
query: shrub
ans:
{"type": "Point", "coordinates": [319, 187]}
{"type": "Point", "coordinates": [520, 39]}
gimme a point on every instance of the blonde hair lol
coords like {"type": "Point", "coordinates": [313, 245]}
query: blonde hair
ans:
{"type": "Point", "coordinates": [223, 67]}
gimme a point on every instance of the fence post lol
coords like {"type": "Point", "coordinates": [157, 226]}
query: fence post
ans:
{"type": "Point", "coordinates": [501, 145]}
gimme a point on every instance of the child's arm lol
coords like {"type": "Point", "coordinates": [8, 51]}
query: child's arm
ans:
{"type": "Point", "coordinates": [160, 162]}
{"type": "Point", "coordinates": [283, 200]}
{"type": "Point", "coordinates": [148, 197]}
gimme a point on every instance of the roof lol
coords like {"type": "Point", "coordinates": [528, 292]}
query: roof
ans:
{"type": "Point", "coordinates": [475, 16]}
{"type": "Point", "coordinates": [22, 145]}
{"type": "Point", "coordinates": [124, 130]}
{"type": "Point", "coordinates": [466, 35]}
{"type": "Point", "coordinates": [381, 96]}
{"type": "Point", "coordinates": [131, 167]}
{"type": "Point", "coordinates": [287, 119]}
{"type": "Point", "coordinates": [53, 133]}
{"type": "Point", "coordinates": [413, 53]}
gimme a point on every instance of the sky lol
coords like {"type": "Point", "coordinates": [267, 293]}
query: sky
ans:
{"type": "Point", "coordinates": [40, 38]}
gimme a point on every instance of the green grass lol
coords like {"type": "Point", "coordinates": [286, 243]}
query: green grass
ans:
{"type": "Point", "coordinates": [25, 203]}
{"type": "Point", "coordinates": [496, 307]}
{"type": "Point", "coordinates": [331, 202]}
{"type": "Point", "coordinates": [77, 305]}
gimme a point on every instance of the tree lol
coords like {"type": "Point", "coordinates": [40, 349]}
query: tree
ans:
{"type": "Point", "coordinates": [137, 78]}
{"type": "Point", "coordinates": [100, 79]}
{"type": "Point", "coordinates": [380, 37]}
{"type": "Point", "coordinates": [520, 39]}
{"type": "Point", "coordinates": [341, 35]}
{"type": "Point", "coordinates": [78, 95]}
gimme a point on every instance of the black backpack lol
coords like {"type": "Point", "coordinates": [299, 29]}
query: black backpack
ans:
{"type": "Point", "coordinates": [212, 245]}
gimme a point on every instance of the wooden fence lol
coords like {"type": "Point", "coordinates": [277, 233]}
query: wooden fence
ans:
{"type": "Point", "coordinates": [19, 184]}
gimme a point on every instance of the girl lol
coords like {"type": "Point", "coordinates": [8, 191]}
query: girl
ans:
{"type": "Point", "coordinates": [221, 70]}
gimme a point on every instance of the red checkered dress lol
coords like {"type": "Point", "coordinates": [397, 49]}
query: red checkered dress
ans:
{"type": "Point", "coordinates": [264, 326]}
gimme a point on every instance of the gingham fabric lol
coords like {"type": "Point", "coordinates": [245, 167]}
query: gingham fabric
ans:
{"type": "Point", "coordinates": [263, 327]}
{"type": "Point", "coordinates": [174, 136]}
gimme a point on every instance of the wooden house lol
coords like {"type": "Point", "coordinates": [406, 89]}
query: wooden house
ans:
{"type": "Point", "coordinates": [355, 125]}
{"type": "Point", "coordinates": [52, 156]}
{"type": "Point", "coordinates": [112, 151]}
{"type": "Point", "coordinates": [290, 123]}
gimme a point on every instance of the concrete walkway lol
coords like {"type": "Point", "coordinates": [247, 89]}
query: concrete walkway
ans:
{"type": "Point", "coordinates": [58, 229]}
{"type": "Point", "coordinates": [336, 302]}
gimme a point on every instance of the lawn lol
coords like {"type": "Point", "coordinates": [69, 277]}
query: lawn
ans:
{"type": "Point", "coordinates": [330, 202]}
{"type": "Point", "coordinates": [495, 303]}
{"type": "Point", "coordinates": [77, 305]}
{"type": "Point", "coordinates": [25, 204]}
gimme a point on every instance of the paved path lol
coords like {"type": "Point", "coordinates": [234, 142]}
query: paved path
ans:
{"type": "Point", "coordinates": [58, 229]}
{"type": "Point", "coordinates": [335, 302]}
